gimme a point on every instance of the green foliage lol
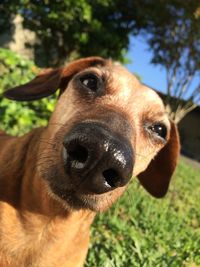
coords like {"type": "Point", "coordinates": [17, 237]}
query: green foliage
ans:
{"type": "Point", "coordinates": [69, 29]}
{"type": "Point", "coordinates": [142, 231]}
{"type": "Point", "coordinates": [20, 117]}
{"type": "Point", "coordinates": [80, 28]}
{"type": "Point", "coordinates": [14, 69]}
{"type": "Point", "coordinates": [175, 43]}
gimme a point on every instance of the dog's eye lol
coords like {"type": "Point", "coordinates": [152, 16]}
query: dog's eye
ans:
{"type": "Point", "coordinates": [159, 129]}
{"type": "Point", "coordinates": [91, 82]}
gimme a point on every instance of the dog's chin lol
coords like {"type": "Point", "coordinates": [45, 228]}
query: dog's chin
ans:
{"type": "Point", "coordinates": [72, 200]}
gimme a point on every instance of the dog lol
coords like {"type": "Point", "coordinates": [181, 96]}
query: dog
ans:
{"type": "Point", "coordinates": [106, 128]}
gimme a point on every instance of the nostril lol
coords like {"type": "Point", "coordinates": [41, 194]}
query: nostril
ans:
{"type": "Point", "coordinates": [78, 155]}
{"type": "Point", "coordinates": [112, 178]}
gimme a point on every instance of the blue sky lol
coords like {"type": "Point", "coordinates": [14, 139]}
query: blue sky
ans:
{"type": "Point", "coordinates": [151, 75]}
{"type": "Point", "coordinates": [140, 57]}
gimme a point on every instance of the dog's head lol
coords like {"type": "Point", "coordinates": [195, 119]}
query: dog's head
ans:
{"type": "Point", "coordinates": [106, 128]}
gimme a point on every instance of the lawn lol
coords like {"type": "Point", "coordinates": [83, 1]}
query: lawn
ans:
{"type": "Point", "coordinates": [142, 231]}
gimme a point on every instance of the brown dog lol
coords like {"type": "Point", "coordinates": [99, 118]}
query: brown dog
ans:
{"type": "Point", "coordinates": [106, 127]}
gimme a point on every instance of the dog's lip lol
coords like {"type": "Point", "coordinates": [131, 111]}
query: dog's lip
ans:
{"type": "Point", "coordinates": [78, 200]}
{"type": "Point", "coordinates": [76, 191]}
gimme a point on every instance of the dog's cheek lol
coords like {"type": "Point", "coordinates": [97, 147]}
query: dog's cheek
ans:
{"type": "Point", "coordinates": [145, 152]}
{"type": "Point", "coordinates": [141, 163]}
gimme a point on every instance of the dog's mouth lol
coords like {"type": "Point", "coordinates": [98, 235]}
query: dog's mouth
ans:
{"type": "Point", "coordinates": [96, 166]}
{"type": "Point", "coordinates": [75, 200]}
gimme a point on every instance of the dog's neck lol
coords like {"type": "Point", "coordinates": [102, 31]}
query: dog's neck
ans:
{"type": "Point", "coordinates": [17, 167]}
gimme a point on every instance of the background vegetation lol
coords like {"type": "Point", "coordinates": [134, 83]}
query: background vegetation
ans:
{"type": "Point", "coordinates": [20, 117]}
{"type": "Point", "coordinates": [140, 231]}
{"type": "Point", "coordinates": [67, 29]}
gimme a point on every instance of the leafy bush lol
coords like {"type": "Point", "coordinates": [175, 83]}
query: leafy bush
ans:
{"type": "Point", "coordinates": [20, 117]}
{"type": "Point", "coordinates": [142, 231]}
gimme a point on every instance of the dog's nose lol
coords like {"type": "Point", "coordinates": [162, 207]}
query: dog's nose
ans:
{"type": "Point", "coordinates": [97, 158]}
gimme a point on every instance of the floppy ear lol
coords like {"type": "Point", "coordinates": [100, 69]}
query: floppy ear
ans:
{"type": "Point", "coordinates": [155, 179]}
{"type": "Point", "coordinates": [49, 80]}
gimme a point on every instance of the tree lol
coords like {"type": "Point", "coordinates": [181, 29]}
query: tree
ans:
{"type": "Point", "coordinates": [67, 29]}
{"type": "Point", "coordinates": [174, 38]}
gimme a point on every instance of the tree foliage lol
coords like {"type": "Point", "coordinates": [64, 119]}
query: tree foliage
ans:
{"type": "Point", "coordinates": [20, 117]}
{"type": "Point", "coordinates": [67, 29]}
{"type": "Point", "coordinates": [174, 38]}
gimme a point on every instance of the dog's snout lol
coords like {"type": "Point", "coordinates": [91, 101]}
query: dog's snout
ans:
{"type": "Point", "coordinates": [97, 159]}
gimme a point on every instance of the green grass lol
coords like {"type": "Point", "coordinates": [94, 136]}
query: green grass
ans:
{"type": "Point", "coordinates": [142, 231]}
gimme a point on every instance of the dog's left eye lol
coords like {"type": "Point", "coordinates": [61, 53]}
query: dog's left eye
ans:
{"type": "Point", "coordinates": [159, 129]}
{"type": "Point", "coordinates": [91, 82]}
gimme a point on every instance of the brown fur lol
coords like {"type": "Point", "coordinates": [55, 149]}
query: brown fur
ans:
{"type": "Point", "coordinates": [38, 229]}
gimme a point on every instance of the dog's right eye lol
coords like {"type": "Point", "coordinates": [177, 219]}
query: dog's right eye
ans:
{"type": "Point", "coordinates": [91, 81]}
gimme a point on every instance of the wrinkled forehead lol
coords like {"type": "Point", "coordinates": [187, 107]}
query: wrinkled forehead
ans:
{"type": "Point", "coordinates": [128, 87]}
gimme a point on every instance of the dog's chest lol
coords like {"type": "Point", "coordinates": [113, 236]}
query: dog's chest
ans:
{"type": "Point", "coordinates": [35, 246]}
